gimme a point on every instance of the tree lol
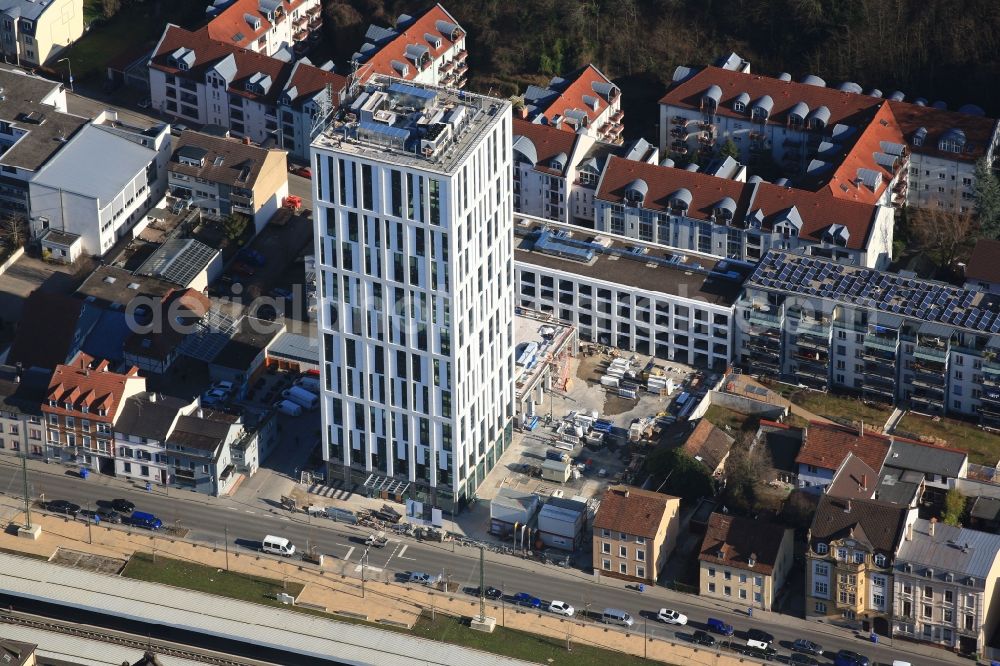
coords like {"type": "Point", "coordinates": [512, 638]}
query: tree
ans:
{"type": "Point", "coordinates": [987, 191]}
{"type": "Point", "coordinates": [745, 467]}
{"type": "Point", "coordinates": [235, 225]}
{"type": "Point", "coordinates": [677, 473]}
{"type": "Point", "coordinates": [110, 7]}
{"type": "Point", "coordinates": [941, 233]}
{"type": "Point", "coordinates": [14, 230]}
{"type": "Point", "coordinates": [730, 149]}
{"type": "Point", "coordinates": [954, 507]}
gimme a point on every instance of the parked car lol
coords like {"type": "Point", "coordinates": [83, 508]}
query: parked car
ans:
{"type": "Point", "coordinates": [671, 617]}
{"type": "Point", "coordinates": [703, 638]}
{"type": "Point", "coordinates": [561, 608]}
{"type": "Point", "coordinates": [122, 506]}
{"type": "Point", "coordinates": [493, 593]}
{"type": "Point", "coordinates": [525, 599]}
{"type": "Point", "coordinates": [850, 658]}
{"type": "Point", "coordinates": [63, 506]}
{"type": "Point", "coordinates": [145, 520]}
{"type": "Point", "coordinates": [109, 515]}
{"type": "Point", "coordinates": [800, 659]}
{"type": "Point", "coordinates": [807, 647]}
{"type": "Point", "coordinates": [759, 639]}
{"type": "Point", "coordinates": [177, 128]}
{"type": "Point", "coordinates": [89, 516]}
{"type": "Point", "coordinates": [213, 397]}
{"type": "Point", "coordinates": [377, 540]}
{"type": "Point", "coordinates": [422, 578]}
{"type": "Point", "coordinates": [719, 627]}
{"type": "Point", "coordinates": [305, 172]}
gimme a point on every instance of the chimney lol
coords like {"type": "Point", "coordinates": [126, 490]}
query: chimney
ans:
{"type": "Point", "coordinates": [909, 531]}
{"type": "Point", "coordinates": [862, 432]}
{"type": "Point", "coordinates": [933, 523]}
{"type": "Point", "coordinates": [524, 113]}
{"type": "Point", "coordinates": [152, 397]}
{"type": "Point", "coordinates": [753, 559]}
{"type": "Point", "coordinates": [201, 413]}
{"type": "Point", "coordinates": [847, 507]}
{"type": "Point", "coordinates": [864, 482]}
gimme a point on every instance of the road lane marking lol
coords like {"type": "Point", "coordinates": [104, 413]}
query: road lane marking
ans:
{"type": "Point", "coordinates": [357, 569]}
{"type": "Point", "coordinates": [348, 556]}
{"type": "Point", "coordinates": [249, 511]}
{"type": "Point", "coordinates": [403, 550]}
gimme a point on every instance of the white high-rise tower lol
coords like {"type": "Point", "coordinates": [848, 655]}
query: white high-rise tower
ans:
{"type": "Point", "coordinates": [414, 231]}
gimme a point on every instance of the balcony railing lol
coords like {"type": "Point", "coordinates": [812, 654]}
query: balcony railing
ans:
{"type": "Point", "coordinates": [300, 35]}
{"type": "Point", "coordinates": [314, 11]}
{"type": "Point", "coordinates": [462, 55]}
{"type": "Point", "coordinates": [888, 344]}
{"type": "Point", "coordinates": [301, 21]}
{"type": "Point", "coordinates": [762, 317]}
{"type": "Point", "coordinates": [931, 353]}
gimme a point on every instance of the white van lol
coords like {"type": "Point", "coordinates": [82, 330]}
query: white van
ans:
{"type": "Point", "coordinates": [278, 546]}
{"type": "Point", "coordinates": [301, 396]}
{"type": "Point", "coordinates": [289, 408]}
{"type": "Point", "coordinates": [616, 616]}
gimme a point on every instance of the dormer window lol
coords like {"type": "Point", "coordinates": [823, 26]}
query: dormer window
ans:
{"type": "Point", "coordinates": [761, 109]}
{"type": "Point", "coordinates": [53, 403]}
{"type": "Point", "coordinates": [879, 560]}
{"type": "Point", "coordinates": [741, 102]}
{"type": "Point", "coordinates": [635, 193]}
{"type": "Point", "coordinates": [183, 59]}
{"type": "Point", "coordinates": [952, 141]}
{"type": "Point", "coordinates": [928, 573]}
{"type": "Point", "coordinates": [68, 405]}
{"type": "Point", "coordinates": [920, 136]}
{"type": "Point", "coordinates": [822, 548]}
{"type": "Point", "coordinates": [949, 577]}
{"type": "Point", "coordinates": [710, 100]}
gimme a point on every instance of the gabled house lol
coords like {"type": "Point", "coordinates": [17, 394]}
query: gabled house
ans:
{"type": "Point", "coordinates": [826, 445]}
{"type": "Point", "coordinates": [635, 531]}
{"type": "Point", "coordinates": [82, 404]}
{"type": "Point", "coordinates": [155, 348]}
{"type": "Point", "coordinates": [268, 27]}
{"type": "Point", "coordinates": [744, 561]}
{"type": "Point", "coordinates": [583, 102]}
{"type": "Point", "coordinates": [849, 561]}
{"type": "Point", "coordinates": [710, 446]}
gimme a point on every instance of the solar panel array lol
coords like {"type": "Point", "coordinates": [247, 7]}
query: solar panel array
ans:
{"type": "Point", "coordinates": [886, 292]}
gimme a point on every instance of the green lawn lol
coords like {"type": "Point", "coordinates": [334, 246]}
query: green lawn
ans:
{"type": "Point", "coordinates": [200, 578]}
{"type": "Point", "coordinates": [839, 408]}
{"type": "Point", "coordinates": [737, 421]}
{"type": "Point", "coordinates": [519, 644]}
{"type": "Point", "coordinates": [983, 447]}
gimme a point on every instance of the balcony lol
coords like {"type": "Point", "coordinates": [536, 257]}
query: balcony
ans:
{"type": "Point", "coordinates": [991, 399]}
{"type": "Point", "coordinates": [706, 138]}
{"type": "Point", "coordinates": [300, 35]}
{"type": "Point", "coordinates": [767, 343]}
{"type": "Point", "coordinates": [927, 404]}
{"type": "Point", "coordinates": [445, 67]}
{"type": "Point", "coordinates": [808, 341]}
{"type": "Point", "coordinates": [883, 343]}
{"type": "Point", "coordinates": [679, 120]}
{"type": "Point", "coordinates": [928, 353]}
{"type": "Point", "coordinates": [241, 199]}
{"type": "Point", "coordinates": [989, 415]}
{"type": "Point", "coordinates": [706, 126]}
{"type": "Point", "coordinates": [279, 18]}
{"type": "Point", "coordinates": [758, 316]}
{"type": "Point", "coordinates": [679, 147]}
{"type": "Point", "coordinates": [314, 11]}
{"type": "Point", "coordinates": [301, 21]}
{"type": "Point", "coordinates": [617, 116]}
{"type": "Point", "coordinates": [879, 389]}
{"type": "Point", "coordinates": [765, 364]}
{"type": "Point", "coordinates": [461, 55]}
{"type": "Point", "coordinates": [460, 83]}
{"type": "Point", "coordinates": [929, 383]}
{"type": "Point", "coordinates": [315, 22]}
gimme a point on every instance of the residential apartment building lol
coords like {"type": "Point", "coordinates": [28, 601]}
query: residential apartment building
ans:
{"type": "Point", "coordinates": [983, 270]}
{"type": "Point", "coordinates": [413, 233]}
{"type": "Point", "coordinates": [886, 336]}
{"type": "Point", "coordinates": [225, 176]}
{"type": "Point", "coordinates": [849, 561]}
{"type": "Point", "coordinates": [104, 205]}
{"type": "Point", "coordinates": [21, 427]}
{"type": "Point", "coordinates": [583, 102]}
{"type": "Point", "coordinates": [744, 561]}
{"type": "Point", "coordinates": [83, 402]}
{"type": "Point", "coordinates": [839, 140]}
{"type": "Point", "coordinates": [556, 172]}
{"type": "Point", "coordinates": [427, 49]}
{"type": "Point", "coordinates": [728, 218]}
{"type": "Point", "coordinates": [635, 531]}
{"type": "Point", "coordinates": [32, 32]}
{"type": "Point", "coordinates": [268, 27]}
{"type": "Point", "coordinates": [944, 583]}
{"type": "Point", "coordinates": [169, 441]}
{"type": "Point", "coordinates": [627, 294]}
{"type": "Point", "coordinates": [204, 81]}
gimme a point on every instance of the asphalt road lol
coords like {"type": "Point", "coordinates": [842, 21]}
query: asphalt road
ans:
{"type": "Point", "coordinates": [247, 524]}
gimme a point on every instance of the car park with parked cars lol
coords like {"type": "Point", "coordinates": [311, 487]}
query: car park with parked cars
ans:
{"type": "Point", "coordinates": [525, 599]}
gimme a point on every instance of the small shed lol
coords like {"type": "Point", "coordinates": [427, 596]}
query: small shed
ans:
{"type": "Point", "coordinates": [61, 246]}
{"type": "Point", "coordinates": [555, 470]}
{"type": "Point", "coordinates": [561, 523]}
{"type": "Point", "coordinates": [511, 507]}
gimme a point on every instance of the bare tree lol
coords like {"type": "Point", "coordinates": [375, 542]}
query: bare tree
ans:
{"type": "Point", "coordinates": [941, 233]}
{"type": "Point", "coordinates": [14, 230]}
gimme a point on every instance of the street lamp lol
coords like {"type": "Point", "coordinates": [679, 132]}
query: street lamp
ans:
{"type": "Point", "coordinates": [70, 66]}
{"type": "Point", "coordinates": [364, 565]}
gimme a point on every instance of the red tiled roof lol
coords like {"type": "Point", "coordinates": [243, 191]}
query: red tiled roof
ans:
{"type": "Point", "coordinates": [978, 129]}
{"type": "Point", "coordinates": [985, 261]}
{"type": "Point", "coordinates": [309, 80]}
{"type": "Point", "coordinates": [548, 142]}
{"type": "Point", "coordinates": [571, 97]}
{"type": "Point", "coordinates": [844, 107]}
{"type": "Point", "coordinates": [708, 444]}
{"type": "Point", "coordinates": [632, 511]}
{"type": "Point", "coordinates": [208, 52]}
{"type": "Point", "coordinates": [844, 183]}
{"type": "Point", "coordinates": [732, 540]}
{"type": "Point", "coordinates": [818, 210]}
{"type": "Point", "coordinates": [826, 445]}
{"type": "Point", "coordinates": [84, 382]}
{"type": "Point", "coordinates": [230, 22]}
{"type": "Point", "coordinates": [380, 62]}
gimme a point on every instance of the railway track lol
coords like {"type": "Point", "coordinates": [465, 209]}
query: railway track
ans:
{"type": "Point", "coordinates": [159, 647]}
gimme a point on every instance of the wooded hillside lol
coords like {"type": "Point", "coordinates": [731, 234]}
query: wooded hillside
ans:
{"type": "Point", "coordinates": [937, 49]}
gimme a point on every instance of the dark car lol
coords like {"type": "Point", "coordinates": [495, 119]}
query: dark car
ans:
{"type": "Point", "coordinates": [109, 515]}
{"type": "Point", "coordinates": [525, 599]}
{"type": "Point", "coordinates": [703, 638]}
{"type": "Point", "coordinates": [758, 636]}
{"type": "Point", "coordinates": [62, 506]}
{"type": "Point", "coordinates": [850, 658]}
{"type": "Point", "coordinates": [799, 659]}
{"type": "Point", "coordinates": [493, 593]}
{"type": "Point", "coordinates": [807, 647]}
{"type": "Point", "coordinates": [122, 506]}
